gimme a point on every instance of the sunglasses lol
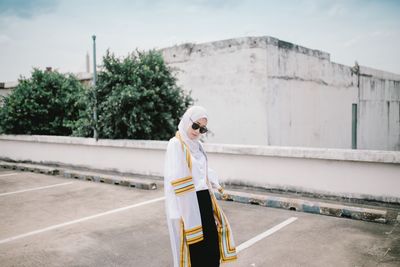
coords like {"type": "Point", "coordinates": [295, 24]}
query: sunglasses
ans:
{"type": "Point", "coordinates": [195, 126]}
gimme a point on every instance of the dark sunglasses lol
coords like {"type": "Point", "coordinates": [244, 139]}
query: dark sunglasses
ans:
{"type": "Point", "coordinates": [195, 126]}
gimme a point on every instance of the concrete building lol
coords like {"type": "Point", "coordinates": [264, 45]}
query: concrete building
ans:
{"type": "Point", "coordinates": [264, 91]}
{"type": "Point", "coordinates": [6, 88]}
{"type": "Point", "coordinates": [262, 95]}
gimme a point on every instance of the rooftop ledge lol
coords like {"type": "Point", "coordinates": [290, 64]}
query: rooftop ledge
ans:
{"type": "Point", "coordinates": [244, 42]}
{"type": "Point", "coordinates": [374, 156]}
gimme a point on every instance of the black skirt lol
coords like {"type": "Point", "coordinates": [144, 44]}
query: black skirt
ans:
{"type": "Point", "coordinates": [206, 252]}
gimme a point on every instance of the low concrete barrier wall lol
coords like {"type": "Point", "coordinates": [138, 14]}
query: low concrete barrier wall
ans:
{"type": "Point", "coordinates": [361, 174]}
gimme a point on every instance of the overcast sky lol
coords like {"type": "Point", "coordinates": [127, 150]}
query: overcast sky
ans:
{"type": "Point", "coordinates": [57, 33]}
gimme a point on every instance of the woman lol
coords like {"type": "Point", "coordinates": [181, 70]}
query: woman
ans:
{"type": "Point", "coordinates": [199, 231]}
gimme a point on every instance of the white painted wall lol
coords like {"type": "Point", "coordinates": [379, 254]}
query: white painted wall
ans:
{"type": "Point", "coordinates": [350, 173]}
{"type": "Point", "coordinates": [234, 95]}
{"type": "Point", "coordinates": [263, 91]}
{"type": "Point", "coordinates": [379, 123]}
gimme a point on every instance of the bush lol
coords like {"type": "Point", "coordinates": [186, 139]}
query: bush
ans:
{"type": "Point", "coordinates": [48, 103]}
{"type": "Point", "coordinates": [137, 98]}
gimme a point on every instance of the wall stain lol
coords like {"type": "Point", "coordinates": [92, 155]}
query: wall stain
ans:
{"type": "Point", "coordinates": [296, 78]}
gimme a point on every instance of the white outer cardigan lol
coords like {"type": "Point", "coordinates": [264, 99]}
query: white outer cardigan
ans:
{"type": "Point", "coordinates": [182, 209]}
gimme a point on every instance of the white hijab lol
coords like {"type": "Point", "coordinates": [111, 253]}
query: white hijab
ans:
{"type": "Point", "coordinates": [191, 115]}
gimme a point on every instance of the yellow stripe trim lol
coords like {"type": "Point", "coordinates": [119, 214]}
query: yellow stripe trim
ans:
{"type": "Point", "coordinates": [180, 181]}
{"type": "Point", "coordinates": [181, 193]}
{"type": "Point", "coordinates": [185, 189]}
{"type": "Point", "coordinates": [195, 240]}
{"type": "Point", "coordinates": [232, 258]}
{"type": "Point", "coordinates": [185, 148]}
{"type": "Point", "coordinates": [194, 230]}
{"type": "Point", "coordinates": [182, 246]}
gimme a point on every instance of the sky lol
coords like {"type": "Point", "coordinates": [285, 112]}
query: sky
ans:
{"type": "Point", "coordinates": [58, 33]}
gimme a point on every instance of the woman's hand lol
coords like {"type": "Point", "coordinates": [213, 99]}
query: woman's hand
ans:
{"type": "Point", "coordinates": [222, 192]}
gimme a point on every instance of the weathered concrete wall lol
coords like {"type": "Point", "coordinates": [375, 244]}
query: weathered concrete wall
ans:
{"type": "Point", "coordinates": [347, 173]}
{"type": "Point", "coordinates": [263, 91]}
{"type": "Point", "coordinates": [229, 80]}
{"type": "Point", "coordinates": [379, 115]}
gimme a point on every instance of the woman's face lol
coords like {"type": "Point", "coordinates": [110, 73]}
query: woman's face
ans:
{"type": "Point", "coordinates": [194, 134]}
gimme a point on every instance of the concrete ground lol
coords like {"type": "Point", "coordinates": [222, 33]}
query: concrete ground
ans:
{"type": "Point", "coordinates": [68, 222]}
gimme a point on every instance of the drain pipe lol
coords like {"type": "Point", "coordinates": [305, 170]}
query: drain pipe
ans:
{"type": "Point", "coordinates": [355, 70]}
{"type": "Point", "coordinates": [354, 127]}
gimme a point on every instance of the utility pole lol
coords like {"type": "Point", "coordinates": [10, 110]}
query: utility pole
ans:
{"type": "Point", "coordinates": [95, 133]}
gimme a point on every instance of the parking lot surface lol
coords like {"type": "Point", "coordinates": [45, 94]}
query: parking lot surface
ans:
{"type": "Point", "coordinates": [53, 221]}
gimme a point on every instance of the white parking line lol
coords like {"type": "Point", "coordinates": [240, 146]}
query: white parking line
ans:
{"type": "Point", "coordinates": [33, 189]}
{"type": "Point", "coordinates": [9, 174]}
{"type": "Point", "coordinates": [81, 220]}
{"type": "Point", "coordinates": [269, 232]}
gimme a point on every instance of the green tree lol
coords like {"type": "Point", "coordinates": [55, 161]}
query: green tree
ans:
{"type": "Point", "coordinates": [48, 103]}
{"type": "Point", "coordinates": [137, 98]}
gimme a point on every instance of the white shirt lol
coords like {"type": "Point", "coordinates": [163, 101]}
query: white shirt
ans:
{"type": "Point", "coordinates": [199, 171]}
